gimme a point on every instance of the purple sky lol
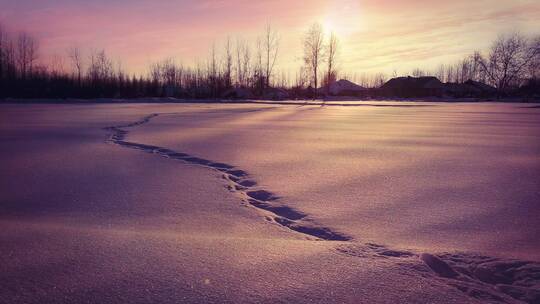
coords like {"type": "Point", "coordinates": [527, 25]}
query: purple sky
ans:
{"type": "Point", "coordinates": [379, 35]}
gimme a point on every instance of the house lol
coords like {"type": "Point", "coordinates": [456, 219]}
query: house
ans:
{"type": "Point", "coordinates": [412, 87]}
{"type": "Point", "coordinates": [482, 88]}
{"type": "Point", "coordinates": [344, 87]}
{"type": "Point", "coordinates": [469, 88]}
{"type": "Point", "coordinates": [459, 90]}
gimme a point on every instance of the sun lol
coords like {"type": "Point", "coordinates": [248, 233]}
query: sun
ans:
{"type": "Point", "coordinates": [329, 26]}
{"type": "Point", "coordinates": [343, 18]}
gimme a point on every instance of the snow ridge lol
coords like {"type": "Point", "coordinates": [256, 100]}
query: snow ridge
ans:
{"type": "Point", "coordinates": [238, 182]}
{"type": "Point", "coordinates": [484, 278]}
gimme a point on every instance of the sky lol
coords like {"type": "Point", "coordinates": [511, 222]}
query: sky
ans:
{"type": "Point", "coordinates": [375, 36]}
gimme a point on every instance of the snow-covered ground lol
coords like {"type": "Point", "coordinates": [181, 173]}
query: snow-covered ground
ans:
{"type": "Point", "coordinates": [378, 202]}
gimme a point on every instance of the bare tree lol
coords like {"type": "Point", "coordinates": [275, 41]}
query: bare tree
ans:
{"type": "Point", "coordinates": [243, 59]}
{"type": "Point", "coordinates": [155, 73]}
{"type": "Point", "coordinates": [364, 80]}
{"type": "Point", "coordinates": [417, 72]}
{"type": "Point", "coordinates": [508, 60]}
{"type": "Point", "coordinates": [2, 52]}
{"type": "Point", "coordinates": [271, 47]}
{"type": "Point", "coordinates": [313, 51]}
{"type": "Point", "coordinates": [75, 56]}
{"type": "Point", "coordinates": [246, 63]}
{"type": "Point", "coordinates": [10, 59]}
{"type": "Point", "coordinates": [239, 62]}
{"type": "Point", "coordinates": [57, 66]}
{"type": "Point", "coordinates": [331, 56]}
{"type": "Point", "coordinates": [534, 66]}
{"type": "Point", "coordinates": [378, 80]}
{"type": "Point", "coordinates": [441, 73]}
{"type": "Point", "coordinates": [213, 70]}
{"type": "Point", "coordinates": [101, 67]}
{"type": "Point", "coordinates": [27, 48]}
{"type": "Point", "coordinates": [169, 72]}
{"type": "Point", "coordinates": [258, 73]}
{"type": "Point", "coordinates": [301, 77]}
{"type": "Point", "coordinates": [466, 70]}
{"type": "Point", "coordinates": [228, 63]}
{"type": "Point", "coordinates": [7, 55]}
{"type": "Point", "coordinates": [284, 79]}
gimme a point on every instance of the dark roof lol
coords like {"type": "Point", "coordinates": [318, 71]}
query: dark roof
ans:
{"type": "Point", "coordinates": [481, 86]}
{"type": "Point", "coordinates": [428, 82]}
{"type": "Point", "coordinates": [344, 83]}
{"type": "Point", "coordinates": [461, 88]}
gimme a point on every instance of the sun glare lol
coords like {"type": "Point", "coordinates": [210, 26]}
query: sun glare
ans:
{"type": "Point", "coordinates": [343, 18]}
{"type": "Point", "coordinates": [329, 26]}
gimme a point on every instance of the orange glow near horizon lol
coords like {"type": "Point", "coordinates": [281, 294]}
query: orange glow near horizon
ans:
{"type": "Point", "coordinates": [375, 36]}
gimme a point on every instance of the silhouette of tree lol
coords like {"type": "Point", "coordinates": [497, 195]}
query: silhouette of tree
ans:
{"type": "Point", "coordinates": [75, 56]}
{"type": "Point", "coordinates": [2, 57]}
{"type": "Point", "coordinates": [228, 64]}
{"type": "Point", "coordinates": [27, 53]}
{"type": "Point", "coordinates": [243, 62]}
{"type": "Point", "coordinates": [271, 48]}
{"type": "Point", "coordinates": [331, 56]}
{"type": "Point", "coordinates": [313, 51]}
{"type": "Point", "coordinates": [512, 62]}
{"type": "Point", "coordinates": [418, 72]}
{"type": "Point", "coordinates": [509, 60]}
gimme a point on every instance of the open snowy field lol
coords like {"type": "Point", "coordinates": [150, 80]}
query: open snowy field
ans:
{"type": "Point", "coordinates": [376, 202]}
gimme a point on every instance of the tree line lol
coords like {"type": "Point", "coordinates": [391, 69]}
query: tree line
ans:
{"type": "Point", "coordinates": [512, 62]}
{"type": "Point", "coordinates": [94, 74]}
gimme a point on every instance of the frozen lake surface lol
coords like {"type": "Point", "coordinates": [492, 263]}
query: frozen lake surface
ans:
{"type": "Point", "coordinates": [377, 202]}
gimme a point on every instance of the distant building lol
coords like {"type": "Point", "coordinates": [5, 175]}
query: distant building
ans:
{"type": "Point", "coordinates": [412, 87]}
{"type": "Point", "coordinates": [484, 89]}
{"type": "Point", "coordinates": [275, 94]}
{"type": "Point", "coordinates": [238, 93]}
{"type": "Point", "coordinates": [460, 90]}
{"type": "Point", "coordinates": [470, 88]}
{"type": "Point", "coordinates": [344, 87]}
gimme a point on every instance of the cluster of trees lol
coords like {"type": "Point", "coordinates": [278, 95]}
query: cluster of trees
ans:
{"type": "Point", "coordinates": [241, 66]}
{"type": "Point", "coordinates": [317, 52]}
{"type": "Point", "coordinates": [512, 62]}
{"type": "Point", "coordinates": [95, 75]}
{"type": "Point", "coordinates": [236, 66]}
